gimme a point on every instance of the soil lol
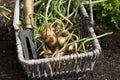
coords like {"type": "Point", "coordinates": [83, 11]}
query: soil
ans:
{"type": "Point", "coordinates": [107, 66]}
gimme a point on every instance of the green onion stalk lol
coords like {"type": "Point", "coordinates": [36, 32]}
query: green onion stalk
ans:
{"type": "Point", "coordinates": [59, 21]}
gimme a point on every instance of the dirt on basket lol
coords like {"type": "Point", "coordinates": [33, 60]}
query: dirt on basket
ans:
{"type": "Point", "coordinates": [107, 66]}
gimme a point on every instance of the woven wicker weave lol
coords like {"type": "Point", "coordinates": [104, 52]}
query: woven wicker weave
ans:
{"type": "Point", "coordinates": [67, 67]}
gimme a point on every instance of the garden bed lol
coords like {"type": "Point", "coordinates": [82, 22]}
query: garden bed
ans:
{"type": "Point", "coordinates": [107, 66]}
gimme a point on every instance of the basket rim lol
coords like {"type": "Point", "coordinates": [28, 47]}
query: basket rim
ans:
{"type": "Point", "coordinates": [95, 52]}
{"type": "Point", "coordinates": [92, 53]}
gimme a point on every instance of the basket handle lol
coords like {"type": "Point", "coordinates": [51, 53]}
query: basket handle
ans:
{"type": "Point", "coordinates": [91, 12]}
{"type": "Point", "coordinates": [16, 15]}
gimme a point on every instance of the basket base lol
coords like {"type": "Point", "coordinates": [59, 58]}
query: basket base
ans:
{"type": "Point", "coordinates": [73, 76]}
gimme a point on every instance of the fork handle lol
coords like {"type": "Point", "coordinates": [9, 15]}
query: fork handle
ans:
{"type": "Point", "coordinates": [28, 9]}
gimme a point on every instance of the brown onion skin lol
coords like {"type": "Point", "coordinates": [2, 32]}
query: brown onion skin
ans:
{"type": "Point", "coordinates": [50, 37]}
{"type": "Point", "coordinates": [60, 54]}
{"type": "Point", "coordinates": [71, 48]}
{"type": "Point", "coordinates": [61, 40]}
